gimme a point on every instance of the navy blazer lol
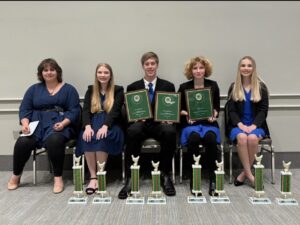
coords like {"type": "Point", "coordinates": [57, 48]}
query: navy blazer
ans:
{"type": "Point", "coordinates": [114, 116]}
{"type": "Point", "coordinates": [215, 92]}
{"type": "Point", "coordinates": [259, 109]}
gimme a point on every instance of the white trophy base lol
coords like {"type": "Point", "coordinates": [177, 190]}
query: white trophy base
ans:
{"type": "Point", "coordinates": [219, 199]}
{"type": "Point", "coordinates": [102, 200]}
{"type": "Point", "coordinates": [157, 200]}
{"type": "Point", "coordinates": [77, 200]}
{"type": "Point", "coordinates": [286, 201]}
{"type": "Point", "coordinates": [196, 199]}
{"type": "Point", "coordinates": [135, 198]}
{"type": "Point", "coordinates": [261, 200]}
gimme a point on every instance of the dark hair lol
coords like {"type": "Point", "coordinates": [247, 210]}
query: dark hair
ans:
{"type": "Point", "coordinates": [149, 55]}
{"type": "Point", "coordinates": [53, 64]}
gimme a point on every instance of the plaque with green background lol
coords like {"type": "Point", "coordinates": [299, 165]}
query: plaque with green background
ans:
{"type": "Point", "coordinates": [167, 106]}
{"type": "Point", "coordinates": [138, 105]}
{"type": "Point", "coordinates": [199, 104]}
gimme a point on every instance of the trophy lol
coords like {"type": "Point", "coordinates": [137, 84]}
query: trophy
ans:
{"type": "Point", "coordinates": [196, 180]}
{"type": "Point", "coordinates": [259, 194]}
{"type": "Point", "coordinates": [79, 198]}
{"type": "Point", "coordinates": [156, 196]}
{"type": "Point", "coordinates": [135, 195]}
{"type": "Point", "coordinates": [286, 194]}
{"type": "Point", "coordinates": [220, 195]}
{"type": "Point", "coordinates": [102, 195]}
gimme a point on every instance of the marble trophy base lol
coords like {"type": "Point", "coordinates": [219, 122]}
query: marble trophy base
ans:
{"type": "Point", "coordinates": [221, 198]}
{"type": "Point", "coordinates": [156, 198]}
{"type": "Point", "coordinates": [196, 198]}
{"type": "Point", "coordinates": [135, 198]}
{"type": "Point", "coordinates": [78, 199]}
{"type": "Point", "coordinates": [260, 200]}
{"type": "Point", "coordinates": [101, 198]}
{"type": "Point", "coordinates": [286, 201]}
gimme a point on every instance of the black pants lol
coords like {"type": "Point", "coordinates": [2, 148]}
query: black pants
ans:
{"type": "Point", "coordinates": [164, 133]}
{"type": "Point", "coordinates": [55, 145]}
{"type": "Point", "coordinates": [211, 149]}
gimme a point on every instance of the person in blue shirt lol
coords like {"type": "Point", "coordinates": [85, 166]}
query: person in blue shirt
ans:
{"type": "Point", "coordinates": [248, 105]}
{"type": "Point", "coordinates": [55, 104]}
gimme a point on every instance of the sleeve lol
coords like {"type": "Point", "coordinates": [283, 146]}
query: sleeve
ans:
{"type": "Point", "coordinates": [115, 112]}
{"type": "Point", "coordinates": [86, 109]}
{"type": "Point", "coordinates": [72, 106]}
{"type": "Point", "coordinates": [216, 97]}
{"type": "Point", "coordinates": [232, 108]}
{"type": "Point", "coordinates": [262, 107]}
{"type": "Point", "coordinates": [26, 108]}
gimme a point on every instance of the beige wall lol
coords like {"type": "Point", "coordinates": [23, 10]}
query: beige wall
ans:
{"type": "Point", "coordinates": [81, 34]}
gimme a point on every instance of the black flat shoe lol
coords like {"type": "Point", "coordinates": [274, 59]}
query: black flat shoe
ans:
{"type": "Point", "coordinates": [237, 182]}
{"type": "Point", "coordinates": [167, 185]}
{"type": "Point", "coordinates": [212, 188]}
{"type": "Point", "coordinates": [90, 190]}
{"type": "Point", "coordinates": [125, 191]}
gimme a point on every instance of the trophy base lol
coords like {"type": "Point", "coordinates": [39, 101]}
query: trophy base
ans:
{"type": "Point", "coordinates": [102, 200]}
{"type": "Point", "coordinates": [196, 199]}
{"type": "Point", "coordinates": [219, 199]}
{"type": "Point", "coordinates": [261, 200]}
{"type": "Point", "coordinates": [77, 200]}
{"type": "Point", "coordinates": [286, 201]}
{"type": "Point", "coordinates": [156, 200]}
{"type": "Point", "coordinates": [135, 198]}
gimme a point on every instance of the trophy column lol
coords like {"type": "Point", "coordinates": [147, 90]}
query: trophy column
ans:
{"type": "Point", "coordinates": [135, 195]}
{"type": "Point", "coordinates": [286, 194]}
{"type": "Point", "coordinates": [259, 194]}
{"type": "Point", "coordinates": [102, 194]}
{"type": "Point", "coordinates": [196, 181]}
{"type": "Point", "coordinates": [156, 196]}
{"type": "Point", "coordinates": [78, 197]}
{"type": "Point", "coordinates": [220, 192]}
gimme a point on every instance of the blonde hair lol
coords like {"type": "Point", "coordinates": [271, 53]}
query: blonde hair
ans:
{"type": "Point", "coordinates": [188, 70]}
{"type": "Point", "coordinates": [109, 95]}
{"type": "Point", "coordinates": [238, 91]}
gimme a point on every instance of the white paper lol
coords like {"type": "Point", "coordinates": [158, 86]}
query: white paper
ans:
{"type": "Point", "coordinates": [32, 126]}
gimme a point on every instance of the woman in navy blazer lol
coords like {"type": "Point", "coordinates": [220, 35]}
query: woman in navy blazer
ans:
{"type": "Point", "coordinates": [206, 132]}
{"type": "Point", "coordinates": [248, 105]}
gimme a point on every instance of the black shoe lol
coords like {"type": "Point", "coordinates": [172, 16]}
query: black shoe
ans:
{"type": "Point", "coordinates": [212, 188]}
{"type": "Point", "coordinates": [167, 185]}
{"type": "Point", "coordinates": [125, 191]}
{"type": "Point", "coordinates": [237, 182]}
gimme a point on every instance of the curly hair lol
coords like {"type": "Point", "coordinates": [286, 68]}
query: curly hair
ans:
{"type": "Point", "coordinates": [188, 70]}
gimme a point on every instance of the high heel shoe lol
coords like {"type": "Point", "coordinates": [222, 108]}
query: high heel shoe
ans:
{"type": "Point", "coordinates": [13, 184]}
{"type": "Point", "coordinates": [237, 182]}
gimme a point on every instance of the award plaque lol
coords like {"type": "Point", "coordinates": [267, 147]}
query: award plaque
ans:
{"type": "Point", "coordinates": [102, 194]}
{"type": "Point", "coordinates": [221, 195]}
{"type": "Point", "coordinates": [286, 194]}
{"type": "Point", "coordinates": [138, 105]}
{"type": "Point", "coordinates": [167, 107]}
{"type": "Point", "coordinates": [196, 190]}
{"type": "Point", "coordinates": [259, 194]}
{"type": "Point", "coordinates": [199, 103]}
{"type": "Point", "coordinates": [78, 197]}
{"type": "Point", "coordinates": [135, 195]}
{"type": "Point", "coordinates": [156, 196]}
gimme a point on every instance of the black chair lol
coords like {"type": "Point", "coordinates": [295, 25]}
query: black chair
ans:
{"type": "Point", "coordinates": [265, 144]}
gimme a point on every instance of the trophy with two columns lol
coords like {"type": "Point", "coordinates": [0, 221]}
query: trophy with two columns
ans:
{"type": "Point", "coordinates": [221, 196]}
{"type": "Point", "coordinates": [78, 197]}
{"type": "Point", "coordinates": [259, 194]}
{"type": "Point", "coordinates": [196, 181]}
{"type": "Point", "coordinates": [102, 195]}
{"type": "Point", "coordinates": [286, 194]}
{"type": "Point", "coordinates": [135, 194]}
{"type": "Point", "coordinates": [156, 196]}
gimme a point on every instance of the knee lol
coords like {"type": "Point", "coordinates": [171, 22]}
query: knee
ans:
{"type": "Point", "coordinates": [252, 139]}
{"type": "Point", "coordinates": [242, 139]}
{"type": "Point", "coordinates": [169, 132]}
{"type": "Point", "coordinates": [210, 138]}
{"type": "Point", "coordinates": [194, 139]}
{"type": "Point", "coordinates": [134, 132]}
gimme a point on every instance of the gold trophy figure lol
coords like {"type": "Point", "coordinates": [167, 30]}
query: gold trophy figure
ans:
{"type": "Point", "coordinates": [286, 193]}
{"type": "Point", "coordinates": [102, 194]}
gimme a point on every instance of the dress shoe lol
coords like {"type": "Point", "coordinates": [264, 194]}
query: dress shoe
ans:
{"type": "Point", "coordinates": [13, 183]}
{"type": "Point", "coordinates": [58, 186]}
{"type": "Point", "coordinates": [212, 188]}
{"type": "Point", "coordinates": [237, 182]}
{"type": "Point", "coordinates": [167, 185]}
{"type": "Point", "coordinates": [125, 191]}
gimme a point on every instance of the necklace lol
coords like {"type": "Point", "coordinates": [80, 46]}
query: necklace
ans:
{"type": "Point", "coordinates": [52, 91]}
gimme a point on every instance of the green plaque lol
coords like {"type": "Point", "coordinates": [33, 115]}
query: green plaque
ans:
{"type": "Point", "coordinates": [138, 105]}
{"type": "Point", "coordinates": [199, 104]}
{"type": "Point", "coordinates": [167, 106]}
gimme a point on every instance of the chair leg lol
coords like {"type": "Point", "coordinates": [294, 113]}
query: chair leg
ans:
{"type": "Point", "coordinates": [173, 169]}
{"type": "Point", "coordinates": [230, 164]}
{"type": "Point", "coordinates": [180, 165]}
{"type": "Point", "coordinates": [34, 167]}
{"type": "Point", "coordinates": [123, 167]}
{"type": "Point", "coordinates": [273, 164]}
{"type": "Point", "coordinates": [83, 168]}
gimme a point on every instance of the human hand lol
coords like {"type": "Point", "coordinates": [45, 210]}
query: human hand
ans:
{"type": "Point", "coordinates": [251, 128]}
{"type": "Point", "coordinates": [102, 132]}
{"type": "Point", "coordinates": [25, 129]}
{"type": "Point", "coordinates": [58, 126]}
{"type": "Point", "coordinates": [88, 133]}
{"type": "Point", "coordinates": [243, 127]}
